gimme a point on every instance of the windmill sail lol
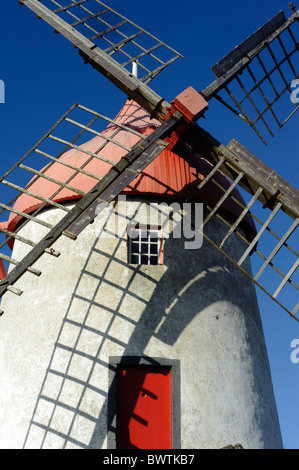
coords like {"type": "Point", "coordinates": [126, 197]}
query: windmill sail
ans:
{"type": "Point", "coordinates": [98, 189]}
{"type": "Point", "coordinates": [111, 44]}
{"type": "Point", "coordinates": [267, 196]}
{"type": "Point", "coordinates": [274, 206]}
{"type": "Point", "coordinates": [256, 76]}
{"type": "Point", "coordinates": [260, 73]}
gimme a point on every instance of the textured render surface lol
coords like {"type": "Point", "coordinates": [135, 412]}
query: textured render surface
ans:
{"type": "Point", "coordinates": [90, 305]}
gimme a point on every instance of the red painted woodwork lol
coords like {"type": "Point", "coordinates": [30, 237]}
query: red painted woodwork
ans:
{"type": "Point", "coordinates": [2, 270]}
{"type": "Point", "coordinates": [143, 408]}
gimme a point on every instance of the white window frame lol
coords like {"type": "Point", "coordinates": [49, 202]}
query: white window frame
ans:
{"type": "Point", "coordinates": [141, 240]}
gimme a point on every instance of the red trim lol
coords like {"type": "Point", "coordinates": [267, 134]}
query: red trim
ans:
{"type": "Point", "coordinates": [2, 270]}
{"type": "Point", "coordinates": [190, 103]}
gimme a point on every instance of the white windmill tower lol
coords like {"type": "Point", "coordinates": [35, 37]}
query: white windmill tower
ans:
{"type": "Point", "coordinates": [126, 336]}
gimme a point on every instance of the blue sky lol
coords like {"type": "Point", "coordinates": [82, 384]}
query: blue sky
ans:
{"type": "Point", "coordinates": [44, 76]}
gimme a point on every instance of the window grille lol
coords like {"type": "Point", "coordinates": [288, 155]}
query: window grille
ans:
{"type": "Point", "coordinates": [145, 245]}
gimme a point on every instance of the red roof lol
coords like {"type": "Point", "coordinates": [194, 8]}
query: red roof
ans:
{"type": "Point", "coordinates": [170, 175]}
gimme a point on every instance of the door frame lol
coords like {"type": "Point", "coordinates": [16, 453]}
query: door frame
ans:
{"type": "Point", "coordinates": [174, 364]}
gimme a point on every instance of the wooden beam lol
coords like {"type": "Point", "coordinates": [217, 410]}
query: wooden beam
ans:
{"type": "Point", "coordinates": [233, 63]}
{"type": "Point", "coordinates": [240, 160]}
{"type": "Point", "coordinates": [247, 46]}
{"type": "Point", "coordinates": [106, 65]}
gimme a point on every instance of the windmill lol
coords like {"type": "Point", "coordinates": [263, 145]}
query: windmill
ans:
{"type": "Point", "coordinates": [174, 127]}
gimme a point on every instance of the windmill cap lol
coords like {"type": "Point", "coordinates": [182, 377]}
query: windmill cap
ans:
{"type": "Point", "coordinates": [171, 175]}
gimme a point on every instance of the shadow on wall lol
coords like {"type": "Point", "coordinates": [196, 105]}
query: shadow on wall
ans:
{"type": "Point", "coordinates": [72, 407]}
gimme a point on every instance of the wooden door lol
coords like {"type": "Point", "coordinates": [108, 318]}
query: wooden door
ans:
{"type": "Point", "coordinates": [143, 407]}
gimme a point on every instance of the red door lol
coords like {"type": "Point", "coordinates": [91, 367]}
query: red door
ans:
{"type": "Point", "coordinates": [143, 407]}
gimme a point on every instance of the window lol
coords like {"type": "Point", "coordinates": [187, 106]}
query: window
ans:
{"type": "Point", "coordinates": [145, 245]}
